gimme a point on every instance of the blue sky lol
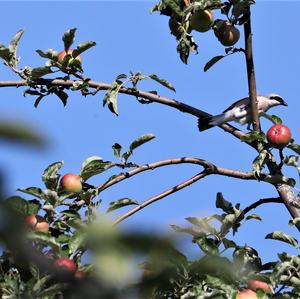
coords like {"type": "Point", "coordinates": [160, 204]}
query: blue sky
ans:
{"type": "Point", "coordinates": [130, 38]}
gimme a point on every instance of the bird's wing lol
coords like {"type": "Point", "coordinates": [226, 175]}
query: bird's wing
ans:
{"type": "Point", "coordinates": [242, 104]}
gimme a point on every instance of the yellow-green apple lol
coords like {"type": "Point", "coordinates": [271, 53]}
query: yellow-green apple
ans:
{"type": "Point", "coordinates": [202, 20]}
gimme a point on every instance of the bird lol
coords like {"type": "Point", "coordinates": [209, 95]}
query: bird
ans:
{"type": "Point", "coordinates": [240, 111]}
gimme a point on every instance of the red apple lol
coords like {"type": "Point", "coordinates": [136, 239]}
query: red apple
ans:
{"type": "Point", "coordinates": [37, 223]}
{"type": "Point", "coordinates": [256, 284]}
{"type": "Point", "coordinates": [246, 294]}
{"type": "Point", "coordinates": [80, 274]}
{"type": "Point", "coordinates": [71, 182]}
{"type": "Point", "coordinates": [279, 136]}
{"type": "Point", "coordinates": [66, 263]}
{"type": "Point", "coordinates": [226, 33]}
{"type": "Point", "coordinates": [62, 55]}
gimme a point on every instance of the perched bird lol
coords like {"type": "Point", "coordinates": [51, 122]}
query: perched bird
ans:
{"type": "Point", "coordinates": [240, 111]}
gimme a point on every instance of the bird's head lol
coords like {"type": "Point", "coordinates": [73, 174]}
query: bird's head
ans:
{"type": "Point", "coordinates": [276, 100]}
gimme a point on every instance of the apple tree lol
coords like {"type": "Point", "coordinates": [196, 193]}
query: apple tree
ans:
{"type": "Point", "coordinates": [56, 244]}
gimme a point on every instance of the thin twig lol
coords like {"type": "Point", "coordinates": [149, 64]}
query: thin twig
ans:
{"type": "Point", "coordinates": [261, 202]}
{"type": "Point", "coordinates": [162, 195]}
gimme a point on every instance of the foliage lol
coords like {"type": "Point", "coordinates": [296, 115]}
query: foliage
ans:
{"type": "Point", "coordinates": [80, 226]}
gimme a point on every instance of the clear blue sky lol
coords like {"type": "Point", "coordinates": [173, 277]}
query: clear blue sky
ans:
{"type": "Point", "coordinates": [130, 38]}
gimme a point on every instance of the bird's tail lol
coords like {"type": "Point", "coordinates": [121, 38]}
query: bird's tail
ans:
{"type": "Point", "coordinates": [210, 121]}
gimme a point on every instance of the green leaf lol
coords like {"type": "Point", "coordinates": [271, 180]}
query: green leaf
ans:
{"type": "Point", "coordinates": [213, 61]}
{"type": "Point", "coordinates": [63, 239]}
{"type": "Point", "coordinates": [18, 204]}
{"type": "Point", "coordinates": [221, 284]}
{"type": "Point", "coordinates": [241, 7]}
{"type": "Point", "coordinates": [51, 291]}
{"type": "Point", "coordinates": [229, 222]}
{"type": "Point", "coordinates": [253, 136]}
{"type": "Point", "coordinates": [50, 176]}
{"type": "Point", "coordinates": [45, 239]}
{"type": "Point", "coordinates": [33, 206]}
{"type": "Point", "coordinates": [39, 72]}
{"type": "Point", "coordinates": [50, 54]}
{"type": "Point", "coordinates": [273, 118]}
{"type": "Point", "coordinates": [70, 213]}
{"type": "Point", "coordinates": [82, 47]}
{"type": "Point", "coordinates": [40, 284]}
{"type": "Point", "coordinates": [120, 203]}
{"type": "Point", "coordinates": [280, 236]}
{"type": "Point", "coordinates": [185, 46]}
{"type": "Point", "coordinates": [37, 192]}
{"type": "Point", "coordinates": [51, 197]}
{"type": "Point", "coordinates": [140, 141]}
{"type": "Point", "coordinates": [295, 147]}
{"type": "Point", "coordinates": [136, 143]}
{"type": "Point", "coordinates": [187, 230]}
{"type": "Point", "coordinates": [207, 245]}
{"type": "Point", "coordinates": [22, 206]}
{"type": "Point", "coordinates": [202, 224]}
{"type": "Point", "coordinates": [120, 77]}
{"type": "Point", "coordinates": [162, 82]}
{"type": "Point", "coordinates": [174, 6]}
{"type": "Point", "coordinates": [254, 216]}
{"type": "Point", "coordinates": [117, 149]}
{"type": "Point", "coordinates": [223, 204]}
{"type": "Point", "coordinates": [38, 100]}
{"type": "Point", "coordinates": [229, 243]}
{"type": "Point", "coordinates": [111, 98]}
{"type": "Point", "coordinates": [258, 163]}
{"type": "Point", "coordinates": [52, 170]}
{"type": "Point", "coordinates": [93, 166]}
{"type": "Point", "coordinates": [5, 54]}
{"type": "Point", "coordinates": [68, 38]}
{"type": "Point", "coordinates": [291, 161]}
{"type": "Point", "coordinates": [63, 96]}
{"type": "Point", "coordinates": [77, 240]}
{"type": "Point", "coordinates": [13, 47]}
{"type": "Point", "coordinates": [204, 4]}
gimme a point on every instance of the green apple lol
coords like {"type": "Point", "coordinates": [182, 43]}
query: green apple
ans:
{"type": "Point", "coordinates": [202, 20]}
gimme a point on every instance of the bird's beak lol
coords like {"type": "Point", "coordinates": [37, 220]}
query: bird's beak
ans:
{"type": "Point", "coordinates": [284, 103]}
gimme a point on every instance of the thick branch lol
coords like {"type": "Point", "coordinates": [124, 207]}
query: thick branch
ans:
{"type": "Point", "coordinates": [284, 191]}
{"type": "Point", "coordinates": [290, 200]}
{"type": "Point", "coordinates": [159, 196]}
{"type": "Point", "coordinates": [211, 168]}
{"type": "Point", "coordinates": [251, 73]}
{"type": "Point", "coordinates": [129, 91]}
